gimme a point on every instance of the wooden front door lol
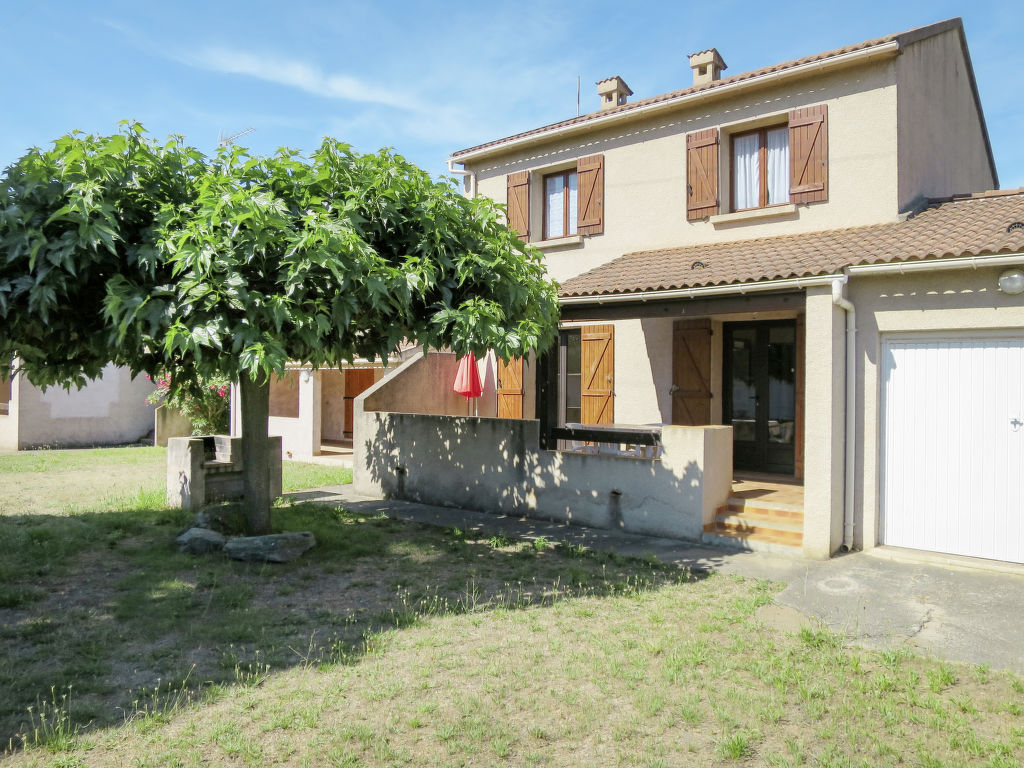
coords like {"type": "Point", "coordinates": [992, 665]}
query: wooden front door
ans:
{"type": "Point", "coordinates": [357, 381]}
{"type": "Point", "coordinates": [760, 378]}
{"type": "Point", "coordinates": [510, 388]}
{"type": "Point", "coordinates": [691, 372]}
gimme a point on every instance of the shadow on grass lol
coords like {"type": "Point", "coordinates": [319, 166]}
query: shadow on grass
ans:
{"type": "Point", "coordinates": [103, 604]}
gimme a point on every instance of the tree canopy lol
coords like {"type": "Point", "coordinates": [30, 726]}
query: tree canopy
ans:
{"type": "Point", "coordinates": [154, 256]}
{"type": "Point", "coordinates": [119, 249]}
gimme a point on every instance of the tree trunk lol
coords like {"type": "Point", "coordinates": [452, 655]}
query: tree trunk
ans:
{"type": "Point", "coordinates": [255, 407]}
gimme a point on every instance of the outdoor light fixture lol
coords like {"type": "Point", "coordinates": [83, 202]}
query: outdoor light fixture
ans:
{"type": "Point", "coordinates": [1012, 281]}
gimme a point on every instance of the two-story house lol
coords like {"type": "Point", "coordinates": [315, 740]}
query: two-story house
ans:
{"type": "Point", "coordinates": [779, 298]}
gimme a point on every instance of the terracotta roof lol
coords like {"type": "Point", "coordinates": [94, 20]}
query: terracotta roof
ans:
{"type": "Point", "coordinates": [977, 225]}
{"type": "Point", "coordinates": [902, 38]}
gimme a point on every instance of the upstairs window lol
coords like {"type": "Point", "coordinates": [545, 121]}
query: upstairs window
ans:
{"type": "Point", "coordinates": [560, 205]}
{"type": "Point", "coordinates": [760, 168]}
{"type": "Point", "coordinates": [769, 166]}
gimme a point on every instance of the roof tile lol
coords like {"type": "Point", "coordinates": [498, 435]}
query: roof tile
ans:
{"type": "Point", "coordinates": [975, 225]}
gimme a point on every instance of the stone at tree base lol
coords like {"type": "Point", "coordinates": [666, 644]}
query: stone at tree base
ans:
{"type": "Point", "coordinates": [274, 548]}
{"type": "Point", "coordinates": [200, 541]}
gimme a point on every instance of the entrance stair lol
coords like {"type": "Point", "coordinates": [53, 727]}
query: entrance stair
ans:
{"type": "Point", "coordinates": [761, 515]}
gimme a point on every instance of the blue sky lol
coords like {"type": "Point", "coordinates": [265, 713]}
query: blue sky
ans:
{"type": "Point", "coordinates": [427, 78]}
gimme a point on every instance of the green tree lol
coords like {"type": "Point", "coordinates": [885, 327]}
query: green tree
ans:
{"type": "Point", "coordinates": [153, 256]}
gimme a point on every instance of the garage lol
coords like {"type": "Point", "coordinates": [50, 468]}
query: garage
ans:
{"type": "Point", "coordinates": [952, 444]}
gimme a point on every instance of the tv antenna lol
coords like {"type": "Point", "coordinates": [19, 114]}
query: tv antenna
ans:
{"type": "Point", "coordinates": [223, 141]}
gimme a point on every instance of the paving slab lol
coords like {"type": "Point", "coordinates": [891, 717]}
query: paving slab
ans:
{"type": "Point", "coordinates": [878, 601]}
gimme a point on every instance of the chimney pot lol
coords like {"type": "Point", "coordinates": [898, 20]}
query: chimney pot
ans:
{"type": "Point", "coordinates": [707, 66]}
{"type": "Point", "coordinates": [613, 92]}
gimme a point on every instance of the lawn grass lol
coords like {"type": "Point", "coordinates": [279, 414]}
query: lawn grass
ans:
{"type": "Point", "coordinates": [71, 481]}
{"type": "Point", "coordinates": [399, 644]}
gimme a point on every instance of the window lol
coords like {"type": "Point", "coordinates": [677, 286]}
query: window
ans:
{"type": "Point", "coordinates": [760, 168]}
{"type": "Point", "coordinates": [769, 166]}
{"type": "Point", "coordinates": [560, 205]}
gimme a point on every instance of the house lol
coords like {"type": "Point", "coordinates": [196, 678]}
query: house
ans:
{"type": "Point", "coordinates": [792, 316]}
{"type": "Point", "coordinates": [109, 410]}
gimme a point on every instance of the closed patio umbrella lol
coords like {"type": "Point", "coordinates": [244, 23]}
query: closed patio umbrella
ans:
{"type": "Point", "coordinates": [467, 379]}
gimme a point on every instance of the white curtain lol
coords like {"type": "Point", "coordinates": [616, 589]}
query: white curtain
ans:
{"type": "Point", "coordinates": [746, 171]}
{"type": "Point", "coordinates": [778, 166]}
{"type": "Point", "coordinates": [572, 204]}
{"type": "Point", "coordinates": [554, 206]}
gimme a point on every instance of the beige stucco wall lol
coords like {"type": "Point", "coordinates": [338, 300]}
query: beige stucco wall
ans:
{"type": "Point", "coordinates": [940, 134]}
{"type": "Point", "coordinates": [495, 465]}
{"type": "Point", "coordinates": [109, 410]}
{"type": "Point", "coordinates": [922, 302]}
{"type": "Point", "coordinates": [9, 421]}
{"type": "Point", "coordinates": [824, 419]}
{"type": "Point", "coordinates": [645, 170]}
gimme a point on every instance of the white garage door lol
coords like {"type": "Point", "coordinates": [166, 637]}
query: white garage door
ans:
{"type": "Point", "coordinates": [953, 444]}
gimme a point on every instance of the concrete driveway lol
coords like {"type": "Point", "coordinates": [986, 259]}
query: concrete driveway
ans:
{"type": "Point", "coordinates": [878, 599]}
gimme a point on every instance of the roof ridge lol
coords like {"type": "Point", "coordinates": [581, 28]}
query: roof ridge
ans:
{"type": "Point", "coordinates": [905, 37]}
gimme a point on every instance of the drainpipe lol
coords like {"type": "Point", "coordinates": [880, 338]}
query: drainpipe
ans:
{"type": "Point", "coordinates": [464, 172]}
{"type": "Point", "coordinates": [838, 286]}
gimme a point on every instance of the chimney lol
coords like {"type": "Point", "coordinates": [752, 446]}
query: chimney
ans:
{"type": "Point", "coordinates": [707, 66]}
{"type": "Point", "coordinates": [613, 92]}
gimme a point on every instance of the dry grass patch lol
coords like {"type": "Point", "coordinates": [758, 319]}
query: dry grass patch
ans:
{"type": "Point", "coordinates": [400, 644]}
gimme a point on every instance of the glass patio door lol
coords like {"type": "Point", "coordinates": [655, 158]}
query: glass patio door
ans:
{"type": "Point", "coordinates": [760, 394]}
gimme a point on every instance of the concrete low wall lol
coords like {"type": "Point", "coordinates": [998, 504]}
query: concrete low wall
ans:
{"type": "Point", "coordinates": [168, 423]}
{"type": "Point", "coordinates": [496, 465]}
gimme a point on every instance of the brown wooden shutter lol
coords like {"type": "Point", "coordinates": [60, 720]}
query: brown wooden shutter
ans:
{"type": "Point", "coordinates": [510, 388]}
{"type": "Point", "coordinates": [519, 204]}
{"type": "Point", "coordinates": [701, 174]}
{"type": "Point", "coordinates": [808, 154]}
{"type": "Point", "coordinates": [597, 363]}
{"type": "Point", "coordinates": [691, 372]}
{"type": "Point", "coordinates": [590, 197]}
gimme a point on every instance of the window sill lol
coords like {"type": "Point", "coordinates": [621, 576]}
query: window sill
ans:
{"type": "Point", "coordinates": [558, 242]}
{"type": "Point", "coordinates": [771, 212]}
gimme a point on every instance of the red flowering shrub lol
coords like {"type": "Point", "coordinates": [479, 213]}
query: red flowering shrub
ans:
{"type": "Point", "coordinates": [205, 403]}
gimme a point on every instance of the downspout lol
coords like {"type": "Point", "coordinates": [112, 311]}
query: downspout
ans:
{"type": "Point", "coordinates": [464, 172]}
{"type": "Point", "coordinates": [838, 286]}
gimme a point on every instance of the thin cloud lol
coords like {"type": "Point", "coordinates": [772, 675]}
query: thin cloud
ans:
{"type": "Point", "coordinates": [296, 74]}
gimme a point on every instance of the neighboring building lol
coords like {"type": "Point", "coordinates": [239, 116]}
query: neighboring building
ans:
{"type": "Point", "coordinates": [789, 252]}
{"type": "Point", "coordinates": [311, 410]}
{"type": "Point", "coordinates": [110, 410]}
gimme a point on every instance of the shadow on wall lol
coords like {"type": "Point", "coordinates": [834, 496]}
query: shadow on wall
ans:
{"type": "Point", "coordinates": [496, 465]}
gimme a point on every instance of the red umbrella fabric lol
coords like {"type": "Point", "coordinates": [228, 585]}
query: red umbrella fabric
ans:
{"type": "Point", "coordinates": [467, 380]}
